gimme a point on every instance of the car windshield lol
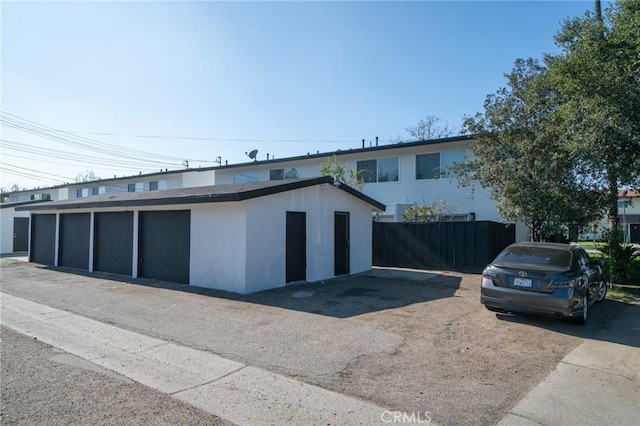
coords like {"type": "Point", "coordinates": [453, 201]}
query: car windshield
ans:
{"type": "Point", "coordinates": [543, 256]}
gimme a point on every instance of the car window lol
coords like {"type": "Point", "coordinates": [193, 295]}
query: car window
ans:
{"type": "Point", "coordinates": [543, 256]}
{"type": "Point", "coordinates": [583, 258]}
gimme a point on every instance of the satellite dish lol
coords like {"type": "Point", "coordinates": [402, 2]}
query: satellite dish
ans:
{"type": "Point", "coordinates": [252, 154]}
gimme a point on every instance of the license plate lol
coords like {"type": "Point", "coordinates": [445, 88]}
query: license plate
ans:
{"type": "Point", "coordinates": [522, 282]}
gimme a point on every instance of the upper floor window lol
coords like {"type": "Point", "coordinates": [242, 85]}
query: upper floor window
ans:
{"type": "Point", "coordinates": [280, 174]}
{"type": "Point", "coordinates": [156, 185]}
{"type": "Point", "coordinates": [246, 177]}
{"type": "Point", "coordinates": [82, 192]}
{"type": "Point", "coordinates": [438, 164]}
{"type": "Point", "coordinates": [35, 197]}
{"type": "Point", "coordinates": [98, 190]}
{"type": "Point", "coordinates": [380, 170]}
{"type": "Point", "coordinates": [135, 187]}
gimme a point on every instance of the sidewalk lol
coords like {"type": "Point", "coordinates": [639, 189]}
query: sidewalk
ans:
{"type": "Point", "coordinates": [598, 383]}
{"type": "Point", "coordinates": [231, 390]}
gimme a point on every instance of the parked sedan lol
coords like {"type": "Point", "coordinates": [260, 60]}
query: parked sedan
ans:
{"type": "Point", "coordinates": [543, 278]}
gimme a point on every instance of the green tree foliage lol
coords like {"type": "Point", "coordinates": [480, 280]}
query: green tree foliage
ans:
{"type": "Point", "coordinates": [519, 155]}
{"type": "Point", "coordinates": [622, 258]}
{"type": "Point", "coordinates": [558, 141]}
{"type": "Point", "coordinates": [597, 81]}
{"type": "Point", "coordinates": [353, 178]}
{"type": "Point", "coordinates": [437, 211]}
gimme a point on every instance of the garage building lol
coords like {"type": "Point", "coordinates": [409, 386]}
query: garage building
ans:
{"type": "Point", "coordinates": [241, 237]}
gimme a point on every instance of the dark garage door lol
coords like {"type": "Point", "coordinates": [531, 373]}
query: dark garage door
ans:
{"type": "Point", "coordinates": [113, 242]}
{"type": "Point", "coordinates": [43, 238]}
{"type": "Point", "coordinates": [164, 245]}
{"type": "Point", "coordinates": [74, 240]}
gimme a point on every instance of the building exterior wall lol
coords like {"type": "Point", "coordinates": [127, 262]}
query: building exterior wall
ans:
{"type": "Point", "coordinates": [218, 246]}
{"type": "Point", "coordinates": [241, 246]}
{"type": "Point", "coordinates": [6, 228]}
{"type": "Point", "coordinates": [628, 214]}
{"type": "Point", "coordinates": [395, 195]}
{"type": "Point", "coordinates": [195, 177]}
{"type": "Point", "coordinates": [266, 233]}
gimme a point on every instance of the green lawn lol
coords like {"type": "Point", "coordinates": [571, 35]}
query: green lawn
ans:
{"type": "Point", "coordinates": [624, 293]}
{"type": "Point", "coordinates": [589, 245]}
{"type": "Point", "coordinates": [628, 292]}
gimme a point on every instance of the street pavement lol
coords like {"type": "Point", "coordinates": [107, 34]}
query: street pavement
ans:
{"type": "Point", "coordinates": [42, 385]}
{"type": "Point", "coordinates": [228, 389]}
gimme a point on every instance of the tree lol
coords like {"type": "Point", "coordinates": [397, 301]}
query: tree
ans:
{"type": "Point", "coordinates": [87, 176]}
{"type": "Point", "coordinates": [597, 79]}
{"type": "Point", "coordinates": [555, 146]}
{"type": "Point", "coordinates": [423, 212]}
{"type": "Point", "coordinates": [14, 188]}
{"type": "Point", "coordinates": [331, 167]}
{"type": "Point", "coordinates": [519, 155]}
{"type": "Point", "coordinates": [427, 128]}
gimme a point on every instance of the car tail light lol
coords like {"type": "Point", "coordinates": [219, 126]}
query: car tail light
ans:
{"type": "Point", "coordinates": [577, 282]}
{"type": "Point", "coordinates": [489, 277]}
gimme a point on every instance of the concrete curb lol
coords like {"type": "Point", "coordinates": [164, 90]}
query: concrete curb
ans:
{"type": "Point", "coordinates": [231, 390]}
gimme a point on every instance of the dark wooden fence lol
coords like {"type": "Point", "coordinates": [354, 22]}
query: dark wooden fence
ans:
{"type": "Point", "coordinates": [465, 246]}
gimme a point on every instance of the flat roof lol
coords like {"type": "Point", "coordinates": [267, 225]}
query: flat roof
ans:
{"type": "Point", "coordinates": [197, 195]}
{"type": "Point", "coordinates": [20, 203]}
{"type": "Point", "coordinates": [399, 145]}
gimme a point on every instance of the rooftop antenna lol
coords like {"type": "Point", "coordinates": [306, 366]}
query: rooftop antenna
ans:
{"type": "Point", "coordinates": [185, 163]}
{"type": "Point", "coordinates": [219, 160]}
{"type": "Point", "coordinates": [252, 154]}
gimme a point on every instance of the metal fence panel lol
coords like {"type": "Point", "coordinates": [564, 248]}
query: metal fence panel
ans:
{"type": "Point", "coordinates": [451, 245]}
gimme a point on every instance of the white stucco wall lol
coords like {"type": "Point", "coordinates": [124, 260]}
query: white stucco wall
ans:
{"type": "Point", "coordinates": [218, 246]}
{"type": "Point", "coordinates": [195, 177]}
{"type": "Point", "coordinates": [241, 246]}
{"type": "Point", "coordinates": [266, 233]}
{"type": "Point", "coordinates": [60, 194]}
{"type": "Point", "coordinates": [6, 228]}
{"type": "Point", "coordinates": [405, 191]}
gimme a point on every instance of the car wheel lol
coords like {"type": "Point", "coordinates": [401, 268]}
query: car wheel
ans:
{"type": "Point", "coordinates": [582, 319]}
{"type": "Point", "coordinates": [601, 291]}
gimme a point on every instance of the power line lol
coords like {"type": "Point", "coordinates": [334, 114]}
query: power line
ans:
{"type": "Point", "coordinates": [213, 139]}
{"type": "Point", "coordinates": [81, 158]}
{"type": "Point", "coordinates": [28, 126]}
{"type": "Point", "coordinates": [30, 176]}
{"type": "Point", "coordinates": [36, 171]}
{"type": "Point", "coordinates": [66, 141]}
{"type": "Point", "coordinates": [83, 162]}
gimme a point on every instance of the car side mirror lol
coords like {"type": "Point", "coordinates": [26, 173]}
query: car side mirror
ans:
{"type": "Point", "coordinates": [598, 262]}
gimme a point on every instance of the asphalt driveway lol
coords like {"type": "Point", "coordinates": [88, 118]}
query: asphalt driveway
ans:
{"type": "Point", "coordinates": [410, 341]}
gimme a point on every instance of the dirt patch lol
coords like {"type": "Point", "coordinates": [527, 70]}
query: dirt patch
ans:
{"type": "Point", "coordinates": [460, 362]}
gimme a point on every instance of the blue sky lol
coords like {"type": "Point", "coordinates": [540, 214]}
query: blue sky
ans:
{"type": "Point", "coordinates": [283, 78]}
